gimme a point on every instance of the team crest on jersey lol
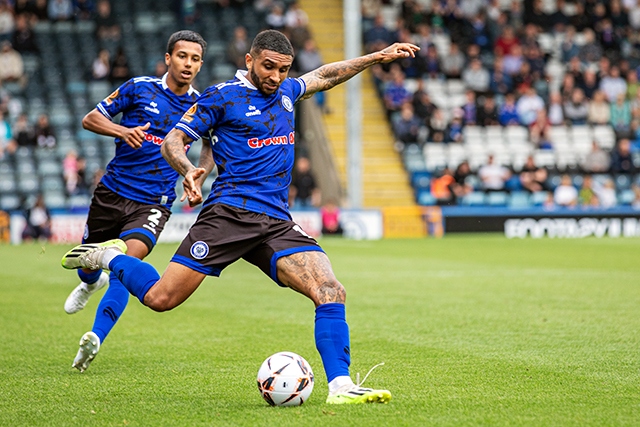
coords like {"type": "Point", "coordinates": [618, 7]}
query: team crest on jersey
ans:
{"type": "Point", "coordinates": [188, 116]}
{"type": "Point", "coordinates": [286, 103]}
{"type": "Point", "coordinates": [199, 250]}
{"type": "Point", "coordinates": [109, 99]}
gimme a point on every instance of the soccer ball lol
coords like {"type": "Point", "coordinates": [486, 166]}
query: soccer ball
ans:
{"type": "Point", "coordinates": [285, 379]}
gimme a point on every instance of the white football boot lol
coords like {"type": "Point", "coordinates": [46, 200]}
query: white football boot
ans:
{"type": "Point", "coordinates": [79, 297]}
{"type": "Point", "coordinates": [89, 347]}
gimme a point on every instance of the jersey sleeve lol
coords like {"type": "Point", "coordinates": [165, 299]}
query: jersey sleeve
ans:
{"type": "Point", "coordinates": [202, 116]}
{"type": "Point", "coordinates": [118, 101]}
{"type": "Point", "coordinates": [299, 88]}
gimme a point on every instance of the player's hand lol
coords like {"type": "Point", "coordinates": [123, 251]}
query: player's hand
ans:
{"type": "Point", "coordinates": [193, 187]}
{"type": "Point", "coordinates": [134, 137]}
{"type": "Point", "coordinates": [398, 51]}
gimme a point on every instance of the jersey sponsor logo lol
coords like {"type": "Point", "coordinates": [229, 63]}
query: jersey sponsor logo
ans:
{"type": "Point", "coordinates": [275, 140]}
{"type": "Point", "coordinates": [253, 111]}
{"type": "Point", "coordinates": [109, 99]}
{"type": "Point", "coordinates": [152, 138]}
{"type": "Point", "coordinates": [188, 116]}
{"type": "Point", "coordinates": [199, 250]}
{"type": "Point", "coordinates": [153, 108]}
{"type": "Point", "coordinates": [286, 103]}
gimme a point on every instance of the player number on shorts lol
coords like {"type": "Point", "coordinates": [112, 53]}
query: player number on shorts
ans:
{"type": "Point", "coordinates": [154, 220]}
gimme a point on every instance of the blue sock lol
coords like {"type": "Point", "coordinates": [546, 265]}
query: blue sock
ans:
{"type": "Point", "coordinates": [111, 307]}
{"type": "Point", "coordinates": [89, 278]}
{"type": "Point", "coordinates": [136, 275]}
{"type": "Point", "coordinates": [332, 339]}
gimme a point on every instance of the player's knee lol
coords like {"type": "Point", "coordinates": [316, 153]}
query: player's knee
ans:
{"type": "Point", "coordinates": [331, 291]}
{"type": "Point", "coordinates": [159, 302]}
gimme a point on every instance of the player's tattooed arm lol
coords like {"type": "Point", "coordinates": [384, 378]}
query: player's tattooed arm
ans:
{"type": "Point", "coordinates": [173, 151]}
{"type": "Point", "coordinates": [333, 74]}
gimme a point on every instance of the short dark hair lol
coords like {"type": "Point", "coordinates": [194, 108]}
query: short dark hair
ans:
{"type": "Point", "coordinates": [188, 36]}
{"type": "Point", "coordinates": [271, 40]}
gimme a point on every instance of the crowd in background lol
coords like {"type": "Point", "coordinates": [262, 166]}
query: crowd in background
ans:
{"type": "Point", "coordinates": [495, 49]}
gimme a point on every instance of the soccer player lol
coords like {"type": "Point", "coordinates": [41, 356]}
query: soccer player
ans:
{"type": "Point", "coordinates": [133, 200]}
{"type": "Point", "coordinates": [250, 123]}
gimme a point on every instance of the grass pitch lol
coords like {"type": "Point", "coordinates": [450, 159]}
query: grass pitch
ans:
{"type": "Point", "coordinates": [474, 330]}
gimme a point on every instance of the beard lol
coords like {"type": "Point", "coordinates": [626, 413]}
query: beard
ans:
{"type": "Point", "coordinates": [259, 82]}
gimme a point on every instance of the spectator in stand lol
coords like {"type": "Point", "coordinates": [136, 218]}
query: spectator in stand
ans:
{"type": "Point", "coordinates": [378, 35]}
{"type": "Point", "coordinates": [45, 137]}
{"type": "Point", "coordinates": [528, 106]}
{"type": "Point", "coordinates": [395, 93]}
{"type": "Point", "coordinates": [238, 47]}
{"type": "Point", "coordinates": [613, 85]}
{"type": "Point", "coordinates": [275, 18]}
{"type": "Point", "coordinates": [532, 177]}
{"type": "Point", "coordinates": [7, 143]}
{"type": "Point", "coordinates": [453, 63]}
{"type": "Point", "coordinates": [535, 59]}
{"type": "Point", "coordinates": [493, 176]}
{"type": "Point", "coordinates": [160, 69]}
{"type": "Point", "coordinates": [295, 17]}
{"type": "Point", "coordinates": [406, 126]}
{"type": "Point", "coordinates": [632, 84]}
{"type": "Point", "coordinates": [565, 194]}
{"type": "Point", "coordinates": [501, 83]}
{"type": "Point", "coordinates": [70, 172]}
{"type": "Point", "coordinates": [40, 10]}
{"type": "Point", "coordinates": [476, 77]}
{"type": "Point", "coordinates": [107, 27]}
{"type": "Point", "coordinates": [621, 114]}
{"type": "Point", "coordinates": [101, 66]}
{"type": "Point", "coordinates": [470, 109]}
{"type": "Point", "coordinates": [38, 218]}
{"type": "Point", "coordinates": [587, 196]}
{"type": "Point", "coordinates": [306, 60]}
{"type": "Point", "coordinates": [11, 64]}
{"type": "Point", "coordinates": [422, 105]}
{"type": "Point", "coordinates": [607, 194]}
{"type": "Point", "coordinates": [120, 71]}
{"type": "Point", "coordinates": [567, 86]}
{"type": "Point", "coordinates": [84, 9]}
{"type": "Point", "coordinates": [454, 128]}
{"type": "Point", "coordinates": [330, 214]}
{"type": "Point", "coordinates": [590, 83]}
{"type": "Point", "coordinates": [621, 158]}
{"type": "Point", "coordinates": [23, 132]}
{"type": "Point", "coordinates": [437, 126]}
{"type": "Point", "coordinates": [508, 114]}
{"type": "Point", "coordinates": [423, 38]}
{"type": "Point", "coordinates": [60, 10]}
{"type": "Point", "coordinates": [555, 111]}
{"type": "Point", "coordinates": [488, 113]}
{"type": "Point", "coordinates": [591, 51]}
{"type": "Point", "coordinates": [576, 69]}
{"type": "Point", "coordinates": [441, 188]}
{"type": "Point", "coordinates": [431, 64]}
{"type": "Point", "coordinates": [24, 39]}
{"type": "Point", "coordinates": [512, 63]}
{"type": "Point", "coordinates": [303, 192]}
{"type": "Point", "coordinates": [7, 21]}
{"type": "Point", "coordinates": [568, 46]}
{"type": "Point", "coordinates": [636, 199]}
{"type": "Point", "coordinates": [506, 42]}
{"type": "Point", "coordinates": [599, 109]}
{"type": "Point", "coordinates": [540, 131]}
{"type": "Point", "coordinates": [576, 110]}
{"type": "Point", "coordinates": [597, 160]}
{"type": "Point", "coordinates": [460, 187]}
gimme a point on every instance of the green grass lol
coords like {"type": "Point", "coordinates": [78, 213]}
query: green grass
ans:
{"type": "Point", "coordinates": [474, 330]}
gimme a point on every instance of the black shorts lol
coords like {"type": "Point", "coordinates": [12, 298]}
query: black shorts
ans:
{"type": "Point", "coordinates": [112, 216]}
{"type": "Point", "coordinates": [223, 234]}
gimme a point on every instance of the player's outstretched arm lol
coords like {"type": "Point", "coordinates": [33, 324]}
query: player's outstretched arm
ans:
{"type": "Point", "coordinates": [333, 74]}
{"type": "Point", "coordinates": [205, 163]}
{"type": "Point", "coordinates": [173, 151]}
{"type": "Point", "coordinates": [96, 122]}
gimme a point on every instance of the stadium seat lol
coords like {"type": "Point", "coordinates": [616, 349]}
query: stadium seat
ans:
{"type": "Point", "coordinates": [497, 198]}
{"type": "Point", "coordinates": [519, 200]}
{"type": "Point", "coordinates": [7, 183]}
{"type": "Point", "coordinates": [604, 136]}
{"type": "Point", "coordinates": [425, 198]}
{"type": "Point", "coordinates": [9, 202]}
{"type": "Point", "coordinates": [539, 198]}
{"type": "Point", "coordinates": [476, 198]}
{"type": "Point", "coordinates": [623, 182]}
{"type": "Point", "coordinates": [421, 180]}
{"type": "Point", "coordinates": [626, 197]}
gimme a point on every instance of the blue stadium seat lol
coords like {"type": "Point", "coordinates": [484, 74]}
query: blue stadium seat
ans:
{"type": "Point", "coordinates": [476, 198]}
{"type": "Point", "coordinates": [9, 202]}
{"type": "Point", "coordinates": [520, 199]}
{"type": "Point", "coordinates": [539, 197]}
{"type": "Point", "coordinates": [421, 180]}
{"type": "Point", "coordinates": [623, 182]}
{"type": "Point", "coordinates": [497, 198]}
{"type": "Point", "coordinates": [626, 197]}
{"type": "Point", "coordinates": [425, 198]}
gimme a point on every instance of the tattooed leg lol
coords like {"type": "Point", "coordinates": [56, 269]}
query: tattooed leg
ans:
{"type": "Point", "coordinates": [310, 274]}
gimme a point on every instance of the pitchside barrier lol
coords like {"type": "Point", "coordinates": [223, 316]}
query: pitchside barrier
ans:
{"type": "Point", "coordinates": [402, 222]}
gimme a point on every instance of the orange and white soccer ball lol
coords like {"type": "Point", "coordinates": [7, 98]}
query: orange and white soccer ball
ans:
{"type": "Point", "coordinates": [285, 379]}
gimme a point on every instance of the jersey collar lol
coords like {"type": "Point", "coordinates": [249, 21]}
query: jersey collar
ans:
{"type": "Point", "coordinates": [165, 86]}
{"type": "Point", "coordinates": [242, 76]}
